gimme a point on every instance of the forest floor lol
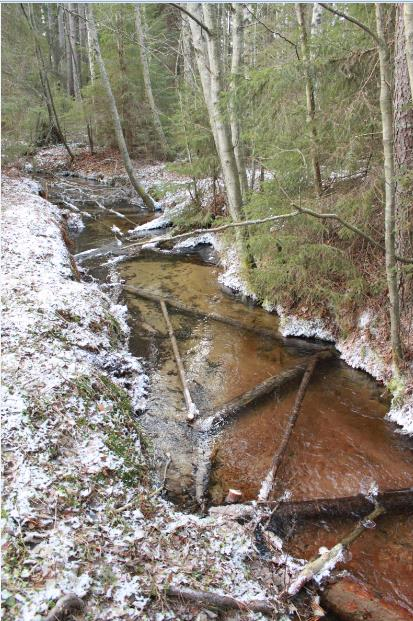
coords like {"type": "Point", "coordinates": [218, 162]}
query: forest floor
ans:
{"type": "Point", "coordinates": [81, 513]}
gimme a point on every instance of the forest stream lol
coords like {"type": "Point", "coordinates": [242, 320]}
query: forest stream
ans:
{"type": "Point", "coordinates": [342, 415]}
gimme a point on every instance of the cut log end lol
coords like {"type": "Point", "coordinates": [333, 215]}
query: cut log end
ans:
{"type": "Point", "coordinates": [233, 496]}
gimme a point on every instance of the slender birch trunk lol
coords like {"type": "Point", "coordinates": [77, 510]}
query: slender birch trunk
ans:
{"type": "Point", "coordinates": [222, 130]}
{"type": "Point", "coordinates": [235, 112]}
{"type": "Point", "coordinates": [309, 89]}
{"type": "Point", "coordinates": [408, 29]}
{"type": "Point", "coordinates": [147, 80]}
{"type": "Point", "coordinates": [386, 109]}
{"type": "Point", "coordinates": [115, 114]}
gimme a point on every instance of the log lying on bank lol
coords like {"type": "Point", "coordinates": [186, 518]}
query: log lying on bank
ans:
{"type": "Point", "coordinates": [267, 387]}
{"type": "Point", "coordinates": [394, 501]}
{"type": "Point", "coordinates": [190, 405]}
{"type": "Point", "coordinates": [352, 600]}
{"type": "Point", "coordinates": [268, 482]}
{"type": "Point", "coordinates": [194, 312]}
{"type": "Point", "coordinates": [222, 602]}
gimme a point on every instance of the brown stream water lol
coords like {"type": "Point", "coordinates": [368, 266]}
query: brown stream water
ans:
{"type": "Point", "coordinates": [341, 443]}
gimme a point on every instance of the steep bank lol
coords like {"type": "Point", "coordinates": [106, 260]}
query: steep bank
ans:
{"type": "Point", "coordinates": [80, 514]}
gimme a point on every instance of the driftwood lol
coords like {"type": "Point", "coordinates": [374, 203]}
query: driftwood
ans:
{"type": "Point", "coordinates": [352, 600]}
{"type": "Point", "coordinates": [194, 312]}
{"type": "Point", "coordinates": [328, 560]}
{"type": "Point", "coordinates": [191, 407]}
{"type": "Point", "coordinates": [268, 482]}
{"type": "Point", "coordinates": [267, 387]}
{"type": "Point", "coordinates": [394, 501]}
{"type": "Point", "coordinates": [223, 602]}
{"type": "Point", "coordinates": [65, 605]}
{"type": "Point", "coordinates": [203, 471]}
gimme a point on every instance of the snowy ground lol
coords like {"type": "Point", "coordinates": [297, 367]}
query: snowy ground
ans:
{"type": "Point", "coordinates": [80, 514]}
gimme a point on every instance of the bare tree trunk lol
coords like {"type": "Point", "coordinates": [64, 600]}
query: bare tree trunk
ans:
{"type": "Point", "coordinates": [186, 51]}
{"type": "Point", "coordinates": [309, 89]}
{"type": "Point", "coordinates": [78, 95]}
{"type": "Point", "coordinates": [53, 116]}
{"type": "Point", "coordinates": [83, 44]}
{"type": "Point", "coordinates": [222, 131]}
{"type": "Point", "coordinates": [126, 102]}
{"type": "Point", "coordinates": [403, 141]}
{"type": "Point", "coordinates": [235, 112]}
{"type": "Point", "coordinates": [408, 27]}
{"type": "Point", "coordinates": [147, 80]}
{"type": "Point", "coordinates": [389, 212]}
{"type": "Point", "coordinates": [115, 115]}
{"type": "Point", "coordinates": [70, 44]}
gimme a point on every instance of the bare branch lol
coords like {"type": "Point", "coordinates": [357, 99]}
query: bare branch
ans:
{"type": "Point", "coordinates": [274, 32]}
{"type": "Point", "coordinates": [198, 21]}
{"type": "Point", "coordinates": [353, 20]}
{"type": "Point", "coordinates": [217, 229]}
{"type": "Point", "coordinates": [298, 211]}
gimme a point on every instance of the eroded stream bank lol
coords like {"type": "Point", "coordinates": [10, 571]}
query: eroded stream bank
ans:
{"type": "Point", "coordinates": [341, 445]}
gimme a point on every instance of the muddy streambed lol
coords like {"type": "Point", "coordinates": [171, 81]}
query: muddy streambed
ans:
{"type": "Point", "coordinates": [342, 445]}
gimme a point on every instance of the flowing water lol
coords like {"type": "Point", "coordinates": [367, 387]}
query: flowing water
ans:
{"type": "Point", "coordinates": [341, 445]}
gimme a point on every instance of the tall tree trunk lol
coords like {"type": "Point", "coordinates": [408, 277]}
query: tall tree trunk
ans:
{"type": "Point", "coordinates": [83, 44]}
{"type": "Point", "coordinates": [235, 112]}
{"type": "Point", "coordinates": [186, 52]}
{"type": "Point", "coordinates": [408, 27]}
{"type": "Point", "coordinates": [44, 80]}
{"type": "Point", "coordinates": [309, 90]}
{"type": "Point", "coordinates": [126, 102]}
{"type": "Point", "coordinates": [386, 109]}
{"type": "Point", "coordinates": [69, 26]}
{"type": "Point", "coordinates": [115, 115]}
{"type": "Point", "coordinates": [222, 130]}
{"type": "Point", "coordinates": [147, 80]}
{"type": "Point", "coordinates": [79, 97]}
{"type": "Point", "coordinates": [403, 141]}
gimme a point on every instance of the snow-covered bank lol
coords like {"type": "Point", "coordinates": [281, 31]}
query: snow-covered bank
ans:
{"type": "Point", "coordinates": [359, 350]}
{"type": "Point", "coordinates": [79, 512]}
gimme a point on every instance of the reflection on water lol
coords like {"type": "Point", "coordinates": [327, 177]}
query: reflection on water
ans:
{"type": "Point", "coordinates": [341, 442]}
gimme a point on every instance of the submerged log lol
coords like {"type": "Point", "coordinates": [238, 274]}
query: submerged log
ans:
{"type": "Point", "coordinates": [223, 602]}
{"type": "Point", "coordinates": [352, 600]}
{"type": "Point", "coordinates": [191, 407]}
{"type": "Point", "coordinates": [267, 387]}
{"type": "Point", "coordinates": [194, 312]}
{"type": "Point", "coordinates": [326, 561]}
{"type": "Point", "coordinates": [394, 501]}
{"type": "Point", "coordinates": [268, 482]}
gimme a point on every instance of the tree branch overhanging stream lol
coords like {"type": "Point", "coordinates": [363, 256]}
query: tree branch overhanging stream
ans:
{"type": "Point", "coordinates": [298, 211]}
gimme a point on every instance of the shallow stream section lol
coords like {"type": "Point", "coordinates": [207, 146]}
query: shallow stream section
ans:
{"type": "Point", "coordinates": [341, 445]}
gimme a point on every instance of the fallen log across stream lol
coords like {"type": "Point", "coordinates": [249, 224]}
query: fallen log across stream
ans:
{"type": "Point", "coordinates": [191, 407]}
{"type": "Point", "coordinates": [393, 501]}
{"type": "Point", "coordinates": [327, 560]}
{"type": "Point", "coordinates": [268, 482]}
{"type": "Point", "coordinates": [194, 312]}
{"type": "Point", "coordinates": [267, 387]}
